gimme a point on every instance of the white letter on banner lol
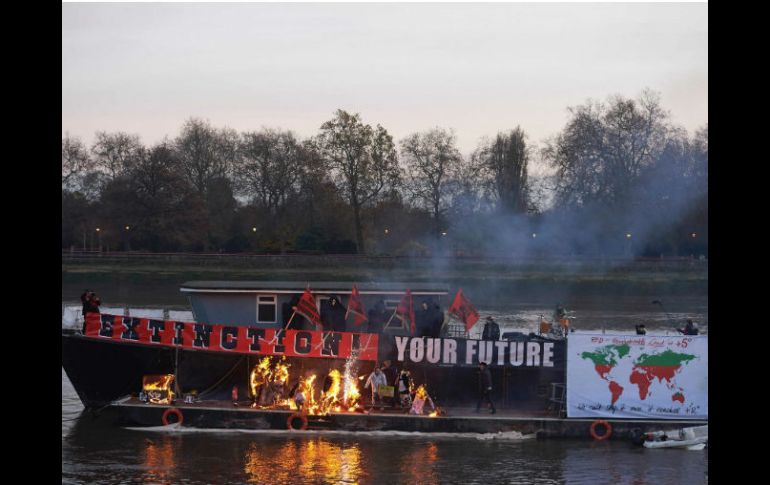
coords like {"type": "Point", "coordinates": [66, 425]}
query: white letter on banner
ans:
{"type": "Point", "coordinates": [416, 350]}
{"type": "Point", "coordinates": [517, 353]}
{"type": "Point", "coordinates": [501, 345]}
{"type": "Point", "coordinates": [485, 351]}
{"type": "Point", "coordinates": [533, 353]}
{"type": "Point", "coordinates": [401, 346]}
{"type": "Point", "coordinates": [548, 354]}
{"type": "Point", "coordinates": [450, 351]}
{"type": "Point", "coordinates": [470, 350]}
{"type": "Point", "coordinates": [433, 350]}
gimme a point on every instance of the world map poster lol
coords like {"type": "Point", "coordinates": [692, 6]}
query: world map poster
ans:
{"type": "Point", "coordinates": [622, 376]}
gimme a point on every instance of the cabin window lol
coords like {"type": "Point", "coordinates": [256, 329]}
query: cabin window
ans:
{"type": "Point", "coordinates": [266, 309]}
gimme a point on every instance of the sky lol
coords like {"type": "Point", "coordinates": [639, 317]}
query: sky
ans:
{"type": "Point", "coordinates": [145, 68]}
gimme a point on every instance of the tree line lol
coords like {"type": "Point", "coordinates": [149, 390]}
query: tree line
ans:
{"type": "Point", "coordinates": [623, 180]}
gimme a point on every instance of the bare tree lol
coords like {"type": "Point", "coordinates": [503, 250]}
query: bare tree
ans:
{"type": "Point", "coordinates": [115, 153]}
{"type": "Point", "coordinates": [271, 166]}
{"type": "Point", "coordinates": [74, 162]}
{"type": "Point", "coordinates": [205, 154]}
{"type": "Point", "coordinates": [603, 149]}
{"type": "Point", "coordinates": [433, 166]}
{"type": "Point", "coordinates": [504, 165]}
{"type": "Point", "coordinates": [362, 159]}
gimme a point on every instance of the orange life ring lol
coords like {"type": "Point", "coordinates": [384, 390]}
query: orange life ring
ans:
{"type": "Point", "coordinates": [291, 419]}
{"type": "Point", "coordinates": [606, 434]}
{"type": "Point", "coordinates": [175, 411]}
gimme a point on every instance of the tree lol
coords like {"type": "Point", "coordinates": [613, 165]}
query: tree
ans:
{"type": "Point", "coordinates": [204, 153]}
{"type": "Point", "coordinates": [156, 202]}
{"type": "Point", "coordinates": [271, 166]}
{"type": "Point", "coordinates": [116, 153]}
{"type": "Point", "coordinates": [604, 148]}
{"type": "Point", "coordinates": [504, 163]}
{"type": "Point", "coordinates": [363, 161]}
{"type": "Point", "coordinates": [75, 163]}
{"type": "Point", "coordinates": [433, 166]}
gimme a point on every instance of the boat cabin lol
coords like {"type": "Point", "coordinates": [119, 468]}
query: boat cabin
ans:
{"type": "Point", "coordinates": [269, 304]}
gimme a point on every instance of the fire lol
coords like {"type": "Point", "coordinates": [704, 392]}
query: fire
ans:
{"type": "Point", "coordinates": [158, 388]}
{"type": "Point", "coordinates": [267, 382]}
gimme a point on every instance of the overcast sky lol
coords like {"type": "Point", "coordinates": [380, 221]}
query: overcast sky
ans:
{"type": "Point", "coordinates": [478, 68]}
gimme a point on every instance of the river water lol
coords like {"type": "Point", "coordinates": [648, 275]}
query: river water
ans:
{"type": "Point", "coordinates": [94, 451]}
{"type": "Point", "coordinates": [97, 452]}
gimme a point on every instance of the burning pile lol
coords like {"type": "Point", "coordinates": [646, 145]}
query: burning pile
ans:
{"type": "Point", "coordinates": [157, 388]}
{"type": "Point", "coordinates": [269, 389]}
{"type": "Point", "coordinates": [268, 381]}
{"type": "Point", "coordinates": [420, 398]}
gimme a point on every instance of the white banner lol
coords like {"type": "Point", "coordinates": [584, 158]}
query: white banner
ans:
{"type": "Point", "coordinates": [622, 376]}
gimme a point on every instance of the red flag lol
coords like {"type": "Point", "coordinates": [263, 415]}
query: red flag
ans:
{"type": "Point", "coordinates": [306, 307]}
{"type": "Point", "coordinates": [464, 310]}
{"type": "Point", "coordinates": [405, 310]}
{"type": "Point", "coordinates": [356, 307]}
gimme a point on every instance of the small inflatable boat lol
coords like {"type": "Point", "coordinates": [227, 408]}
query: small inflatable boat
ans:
{"type": "Point", "coordinates": [693, 438]}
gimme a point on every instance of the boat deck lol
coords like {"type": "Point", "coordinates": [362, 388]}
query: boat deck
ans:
{"type": "Point", "coordinates": [226, 415]}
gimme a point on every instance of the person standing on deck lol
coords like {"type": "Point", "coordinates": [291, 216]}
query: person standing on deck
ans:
{"type": "Point", "coordinates": [491, 330]}
{"type": "Point", "coordinates": [375, 380]}
{"type": "Point", "coordinates": [485, 387]}
{"type": "Point", "coordinates": [689, 329]}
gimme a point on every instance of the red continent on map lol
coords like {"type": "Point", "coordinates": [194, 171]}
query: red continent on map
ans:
{"type": "Point", "coordinates": [603, 370]}
{"type": "Point", "coordinates": [616, 390]}
{"type": "Point", "coordinates": [678, 397]}
{"type": "Point", "coordinates": [642, 376]}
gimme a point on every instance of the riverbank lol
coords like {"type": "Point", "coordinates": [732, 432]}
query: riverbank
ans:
{"type": "Point", "coordinates": [155, 278]}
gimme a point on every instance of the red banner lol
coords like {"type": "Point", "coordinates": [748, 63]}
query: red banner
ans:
{"type": "Point", "coordinates": [464, 310]}
{"type": "Point", "coordinates": [356, 307]}
{"type": "Point", "coordinates": [223, 338]}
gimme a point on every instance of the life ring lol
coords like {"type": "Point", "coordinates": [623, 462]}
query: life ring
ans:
{"type": "Point", "coordinates": [601, 422]}
{"type": "Point", "coordinates": [290, 421]}
{"type": "Point", "coordinates": [175, 411]}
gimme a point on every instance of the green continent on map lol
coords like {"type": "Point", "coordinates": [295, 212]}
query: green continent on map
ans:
{"type": "Point", "coordinates": [604, 359]}
{"type": "Point", "coordinates": [661, 366]}
{"type": "Point", "coordinates": [608, 355]}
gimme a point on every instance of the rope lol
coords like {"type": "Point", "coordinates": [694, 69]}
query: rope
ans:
{"type": "Point", "coordinates": [223, 377]}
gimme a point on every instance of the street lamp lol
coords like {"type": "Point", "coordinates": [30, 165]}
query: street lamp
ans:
{"type": "Point", "coordinates": [534, 235]}
{"type": "Point", "coordinates": [693, 235]}
{"type": "Point", "coordinates": [99, 234]}
{"type": "Point", "coordinates": [254, 229]}
{"type": "Point", "coordinates": [387, 231]}
{"type": "Point", "coordinates": [128, 241]}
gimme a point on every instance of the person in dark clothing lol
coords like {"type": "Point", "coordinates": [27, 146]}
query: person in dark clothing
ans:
{"type": "Point", "coordinates": [378, 315]}
{"type": "Point", "coordinates": [437, 321]}
{"type": "Point", "coordinates": [333, 315]}
{"type": "Point", "coordinates": [91, 304]}
{"type": "Point", "coordinates": [641, 330]}
{"type": "Point", "coordinates": [429, 319]}
{"type": "Point", "coordinates": [689, 329]}
{"type": "Point", "coordinates": [485, 387]}
{"type": "Point", "coordinates": [423, 320]}
{"type": "Point", "coordinates": [491, 330]}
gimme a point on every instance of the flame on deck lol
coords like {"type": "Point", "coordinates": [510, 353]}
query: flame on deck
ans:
{"type": "Point", "coordinates": [267, 382]}
{"type": "Point", "coordinates": [270, 384]}
{"type": "Point", "coordinates": [158, 388]}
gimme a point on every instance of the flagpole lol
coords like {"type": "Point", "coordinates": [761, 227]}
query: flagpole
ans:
{"type": "Point", "coordinates": [280, 330]}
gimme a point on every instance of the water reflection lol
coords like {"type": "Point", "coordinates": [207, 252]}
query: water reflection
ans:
{"type": "Point", "coordinates": [419, 466]}
{"type": "Point", "coordinates": [302, 460]}
{"type": "Point", "coordinates": [159, 461]}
